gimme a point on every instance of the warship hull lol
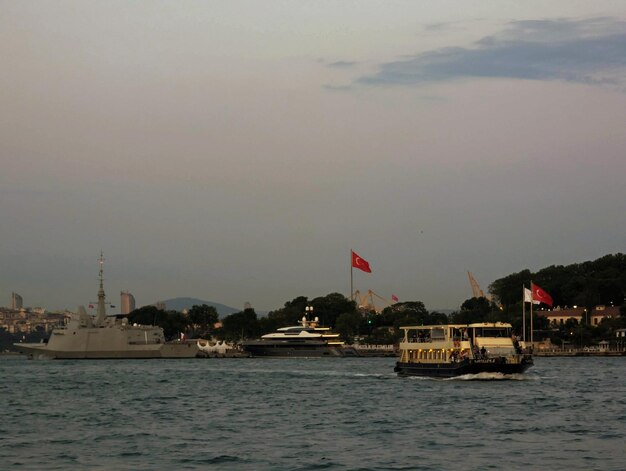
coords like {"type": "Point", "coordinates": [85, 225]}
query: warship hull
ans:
{"type": "Point", "coordinates": [104, 337]}
{"type": "Point", "coordinates": [39, 351]}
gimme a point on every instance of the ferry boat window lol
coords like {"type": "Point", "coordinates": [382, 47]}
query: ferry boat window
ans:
{"type": "Point", "coordinates": [438, 334]}
{"type": "Point", "coordinates": [503, 332]}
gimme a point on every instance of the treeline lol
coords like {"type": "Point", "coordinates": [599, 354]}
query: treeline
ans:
{"type": "Point", "coordinates": [587, 284]}
{"type": "Point", "coordinates": [333, 310]}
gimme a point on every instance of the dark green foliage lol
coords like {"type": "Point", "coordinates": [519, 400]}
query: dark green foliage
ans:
{"type": "Point", "coordinates": [587, 284]}
{"type": "Point", "coordinates": [202, 319]}
{"type": "Point", "coordinates": [508, 290]}
{"type": "Point", "coordinates": [290, 314]}
{"type": "Point", "coordinates": [602, 281]}
{"type": "Point", "coordinates": [350, 325]}
{"type": "Point", "coordinates": [147, 315]}
{"type": "Point", "coordinates": [239, 326]}
{"type": "Point", "coordinates": [327, 308]}
{"type": "Point", "coordinates": [173, 323]}
{"type": "Point", "coordinates": [386, 325]}
{"type": "Point", "coordinates": [330, 307]}
{"type": "Point", "coordinates": [478, 310]}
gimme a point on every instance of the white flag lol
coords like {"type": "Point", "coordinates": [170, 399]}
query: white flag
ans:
{"type": "Point", "coordinates": [528, 295]}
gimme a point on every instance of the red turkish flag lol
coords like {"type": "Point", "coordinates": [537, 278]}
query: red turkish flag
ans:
{"type": "Point", "coordinates": [394, 298]}
{"type": "Point", "coordinates": [540, 295]}
{"type": "Point", "coordinates": [361, 264]}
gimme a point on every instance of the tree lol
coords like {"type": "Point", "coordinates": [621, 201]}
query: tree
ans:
{"type": "Point", "coordinates": [173, 323]}
{"type": "Point", "coordinates": [508, 290]}
{"type": "Point", "coordinates": [202, 319]}
{"type": "Point", "coordinates": [239, 326]}
{"type": "Point", "coordinates": [473, 310]}
{"type": "Point", "coordinates": [409, 313]}
{"type": "Point", "coordinates": [288, 315]}
{"type": "Point", "coordinates": [350, 325]}
{"type": "Point", "coordinates": [601, 281]}
{"type": "Point", "coordinates": [146, 315]}
{"type": "Point", "coordinates": [328, 308]}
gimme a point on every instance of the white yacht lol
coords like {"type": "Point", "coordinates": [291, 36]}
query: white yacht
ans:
{"type": "Point", "coordinates": [305, 340]}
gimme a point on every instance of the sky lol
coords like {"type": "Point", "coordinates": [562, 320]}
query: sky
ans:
{"type": "Point", "coordinates": [237, 151]}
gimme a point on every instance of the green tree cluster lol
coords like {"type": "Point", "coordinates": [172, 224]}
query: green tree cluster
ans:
{"type": "Point", "coordinates": [587, 284]}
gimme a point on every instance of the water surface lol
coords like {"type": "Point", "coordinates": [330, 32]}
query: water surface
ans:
{"type": "Point", "coordinates": [297, 414]}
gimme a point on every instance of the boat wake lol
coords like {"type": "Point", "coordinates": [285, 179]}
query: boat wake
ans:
{"type": "Point", "coordinates": [490, 377]}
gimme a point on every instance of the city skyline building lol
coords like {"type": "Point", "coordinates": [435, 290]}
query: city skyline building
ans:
{"type": "Point", "coordinates": [127, 304]}
{"type": "Point", "coordinates": [16, 301]}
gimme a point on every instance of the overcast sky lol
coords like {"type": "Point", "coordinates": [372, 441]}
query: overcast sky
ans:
{"type": "Point", "coordinates": [236, 151]}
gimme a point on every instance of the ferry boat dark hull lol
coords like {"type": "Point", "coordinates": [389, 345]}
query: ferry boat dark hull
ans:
{"type": "Point", "coordinates": [466, 367]}
{"type": "Point", "coordinates": [294, 349]}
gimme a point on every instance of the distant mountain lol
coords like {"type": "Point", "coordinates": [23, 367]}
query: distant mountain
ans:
{"type": "Point", "coordinates": [178, 304]}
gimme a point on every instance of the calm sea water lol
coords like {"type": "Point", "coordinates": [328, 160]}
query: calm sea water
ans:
{"type": "Point", "coordinates": [295, 414]}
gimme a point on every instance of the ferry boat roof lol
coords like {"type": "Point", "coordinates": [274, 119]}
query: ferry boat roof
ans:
{"type": "Point", "coordinates": [458, 326]}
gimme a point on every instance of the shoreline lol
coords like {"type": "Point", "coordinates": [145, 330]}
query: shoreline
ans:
{"type": "Point", "coordinates": [580, 353]}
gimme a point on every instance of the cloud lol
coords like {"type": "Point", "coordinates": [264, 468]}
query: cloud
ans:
{"type": "Point", "coordinates": [338, 88]}
{"type": "Point", "coordinates": [342, 64]}
{"type": "Point", "coordinates": [583, 51]}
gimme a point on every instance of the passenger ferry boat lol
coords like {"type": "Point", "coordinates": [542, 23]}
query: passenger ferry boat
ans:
{"type": "Point", "coordinates": [456, 349]}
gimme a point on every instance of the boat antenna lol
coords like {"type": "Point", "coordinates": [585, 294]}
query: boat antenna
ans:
{"type": "Point", "coordinates": [101, 312]}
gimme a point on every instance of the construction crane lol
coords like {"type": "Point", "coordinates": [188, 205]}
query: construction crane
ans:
{"type": "Point", "coordinates": [476, 291]}
{"type": "Point", "coordinates": [366, 301]}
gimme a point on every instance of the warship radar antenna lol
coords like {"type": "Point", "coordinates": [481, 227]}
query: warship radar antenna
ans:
{"type": "Point", "coordinates": [101, 313]}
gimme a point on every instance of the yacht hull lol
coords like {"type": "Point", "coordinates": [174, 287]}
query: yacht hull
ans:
{"type": "Point", "coordinates": [296, 350]}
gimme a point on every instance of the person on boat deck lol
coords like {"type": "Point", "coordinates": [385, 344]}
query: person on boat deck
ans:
{"type": "Point", "coordinates": [483, 352]}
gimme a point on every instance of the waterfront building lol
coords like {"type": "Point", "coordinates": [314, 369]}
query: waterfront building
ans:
{"type": "Point", "coordinates": [559, 315]}
{"type": "Point", "coordinates": [127, 304]}
{"type": "Point", "coordinates": [599, 313]}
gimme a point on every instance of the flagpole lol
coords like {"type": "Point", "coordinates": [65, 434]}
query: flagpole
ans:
{"type": "Point", "coordinates": [531, 314]}
{"type": "Point", "coordinates": [524, 313]}
{"type": "Point", "coordinates": [351, 285]}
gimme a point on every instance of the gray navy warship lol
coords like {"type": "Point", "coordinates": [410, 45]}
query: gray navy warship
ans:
{"type": "Point", "coordinates": [106, 337]}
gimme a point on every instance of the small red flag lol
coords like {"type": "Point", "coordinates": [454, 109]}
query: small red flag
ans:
{"type": "Point", "coordinates": [540, 295]}
{"type": "Point", "coordinates": [361, 264]}
{"type": "Point", "coordinates": [394, 298]}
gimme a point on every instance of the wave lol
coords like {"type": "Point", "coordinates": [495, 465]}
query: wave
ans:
{"type": "Point", "coordinates": [491, 377]}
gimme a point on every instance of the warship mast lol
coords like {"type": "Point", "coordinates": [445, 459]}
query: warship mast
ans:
{"type": "Point", "coordinates": [101, 312]}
